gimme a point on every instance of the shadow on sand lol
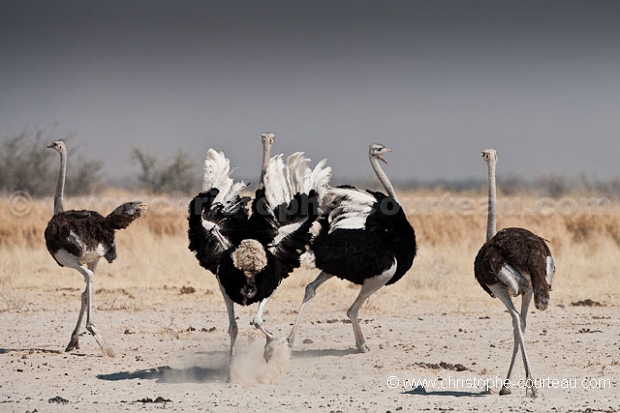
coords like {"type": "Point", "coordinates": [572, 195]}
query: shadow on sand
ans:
{"type": "Point", "coordinates": [421, 391]}
{"type": "Point", "coordinates": [29, 350]}
{"type": "Point", "coordinates": [324, 353]}
{"type": "Point", "coordinates": [166, 374]}
{"type": "Point", "coordinates": [216, 372]}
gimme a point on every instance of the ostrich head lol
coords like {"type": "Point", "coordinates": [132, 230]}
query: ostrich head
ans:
{"type": "Point", "coordinates": [377, 150]}
{"type": "Point", "coordinates": [268, 138]}
{"type": "Point", "coordinates": [58, 146]}
{"type": "Point", "coordinates": [249, 257]}
{"type": "Point", "coordinates": [489, 155]}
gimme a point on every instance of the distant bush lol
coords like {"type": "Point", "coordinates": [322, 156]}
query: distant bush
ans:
{"type": "Point", "coordinates": [26, 164]}
{"type": "Point", "coordinates": [554, 186]}
{"type": "Point", "coordinates": [166, 176]}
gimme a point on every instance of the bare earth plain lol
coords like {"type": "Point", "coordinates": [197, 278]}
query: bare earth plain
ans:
{"type": "Point", "coordinates": [436, 339]}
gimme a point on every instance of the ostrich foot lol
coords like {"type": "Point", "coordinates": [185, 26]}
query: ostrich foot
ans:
{"type": "Point", "coordinates": [107, 351]}
{"type": "Point", "coordinates": [271, 345]}
{"type": "Point", "coordinates": [73, 344]}
{"type": "Point", "coordinates": [361, 346]}
{"type": "Point", "coordinates": [504, 391]}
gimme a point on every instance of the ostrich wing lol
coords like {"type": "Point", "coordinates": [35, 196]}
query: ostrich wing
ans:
{"type": "Point", "coordinates": [283, 211]}
{"type": "Point", "coordinates": [285, 230]}
{"type": "Point", "coordinates": [347, 207]}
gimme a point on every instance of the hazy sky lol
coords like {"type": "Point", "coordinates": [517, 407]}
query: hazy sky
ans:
{"type": "Point", "coordinates": [436, 81]}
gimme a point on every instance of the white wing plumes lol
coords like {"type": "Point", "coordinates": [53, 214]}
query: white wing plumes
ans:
{"type": "Point", "coordinates": [292, 195]}
{"type": "Point", "coordinates": [217, 175]}
{"type": "Point", "coordinates": [347, 208]}
{"type": "Point", "coordinates": [282, 182]}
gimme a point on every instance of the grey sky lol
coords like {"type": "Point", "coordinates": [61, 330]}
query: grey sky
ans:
{"type": "Point", "coordinates": [437, 81]}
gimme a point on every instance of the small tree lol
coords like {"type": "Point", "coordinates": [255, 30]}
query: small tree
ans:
{"type": "Point", "coordinates": [27, 164]}
{"type": "Point", "coordinates": [174, 175]}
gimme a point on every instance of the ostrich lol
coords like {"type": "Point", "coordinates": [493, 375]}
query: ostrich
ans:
{"type": "Point", "coordinates": [513, 262]}
{"type": "Point", "coordinates": [78, 239]}
{"type": "Point", "coordinates": [364, 238]}
{"type": "Point", "coordinates": [251, 256]}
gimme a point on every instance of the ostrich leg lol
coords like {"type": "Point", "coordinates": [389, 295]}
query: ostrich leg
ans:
{"type": "Point", "coordinates": [370, 286]}
{"type": "Point", "coordinates": [518, 324]}
{"type": "Point", "coordinates": [309, 295]}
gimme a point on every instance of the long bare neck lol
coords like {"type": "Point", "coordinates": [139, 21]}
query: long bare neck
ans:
{"type": "Point", "coordinates": [383, 178]}
{"type": "Point", "coordinates": [60, 185]}
{"type": "Point", "coordinates": [492, 212]}
{"type": "Point", "coordinates": [266, 155]}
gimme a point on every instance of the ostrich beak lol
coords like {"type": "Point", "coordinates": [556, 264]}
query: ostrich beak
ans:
{"type": "Point", "coordinates": [51, 146]}
{"type": "Point", "coordinates": [384, 150]}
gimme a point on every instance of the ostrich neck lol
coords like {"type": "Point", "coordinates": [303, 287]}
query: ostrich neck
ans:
{"type": "Point", "coordinates": [492, 212]}
{"type": "Point", "coordinates": [60, 185]}
{"type": "Point", "coordinates": [383, 178]}
{"type": "Point", "coordinates": [263, 171]}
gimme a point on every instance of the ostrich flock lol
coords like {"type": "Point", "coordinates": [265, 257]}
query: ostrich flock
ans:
{"type": "Point", "coordinates": [251, 245]}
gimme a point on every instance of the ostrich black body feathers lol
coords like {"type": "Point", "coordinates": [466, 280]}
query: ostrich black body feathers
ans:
{"type": "Point", "coordinates": [219, 222]}
{"type": "Point", "coordinates": [355, 254]}
{"type": "Point", "coordinates": [264, 225]}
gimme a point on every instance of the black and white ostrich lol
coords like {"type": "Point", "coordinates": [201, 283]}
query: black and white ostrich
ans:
{"type": "Point", "coordinates": [79, 239]}
{"type": "Point", "coordinates": [513, 262]}
{"type": "Point", "coordinates": [364, 238]}
{"type": "Point", "coordinates": [252, 255]}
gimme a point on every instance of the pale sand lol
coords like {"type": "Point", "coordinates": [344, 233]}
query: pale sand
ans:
{"type": "Point", "coordinates": [176, 349]}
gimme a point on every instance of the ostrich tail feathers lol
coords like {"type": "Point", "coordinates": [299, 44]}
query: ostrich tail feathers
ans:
{"type": "Point", "coordinates": [125, 214]}
{"type": "Point", "coordinates": [541, 298]}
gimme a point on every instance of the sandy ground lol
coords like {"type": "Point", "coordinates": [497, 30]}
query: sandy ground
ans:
{"type": "Point", "coordinates": [172, 355]}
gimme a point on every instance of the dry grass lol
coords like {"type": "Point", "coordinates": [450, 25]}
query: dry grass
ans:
{"type": "Point", "coordinates": [450, 229]}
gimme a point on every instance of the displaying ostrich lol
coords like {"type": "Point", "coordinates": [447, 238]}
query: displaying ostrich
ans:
{"type": "Point", "coordinates": [513, 262]}
{"type": "Point", "coordinates": [252, 255]}
{"type": "Point", "coordinates": [78, 239]}
{"type": "Point", "coordinates": [364, 238]}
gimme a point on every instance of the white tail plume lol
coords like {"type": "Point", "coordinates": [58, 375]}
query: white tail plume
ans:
{"type": "Point", "coordinates": [217, 175]}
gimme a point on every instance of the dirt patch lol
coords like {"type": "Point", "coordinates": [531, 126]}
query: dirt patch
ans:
{"type": "Point", "coordinates": [586, 303]}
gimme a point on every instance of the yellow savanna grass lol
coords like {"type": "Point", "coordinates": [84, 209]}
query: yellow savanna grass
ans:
{"type": "Point", "coordinates": [584, 236]}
